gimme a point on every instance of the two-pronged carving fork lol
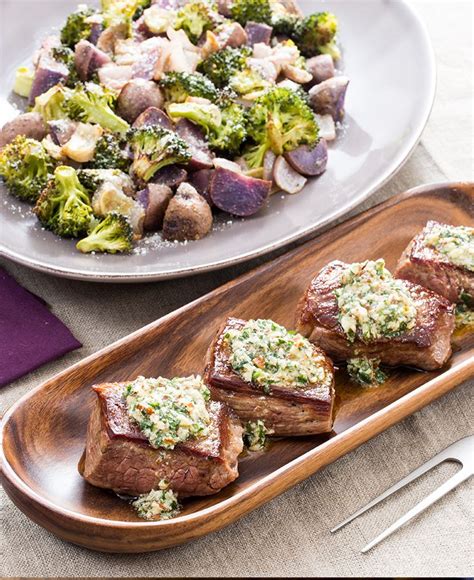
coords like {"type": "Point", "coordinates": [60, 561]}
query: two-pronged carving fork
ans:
{"type": "Point", "coordinates": [461, 451]}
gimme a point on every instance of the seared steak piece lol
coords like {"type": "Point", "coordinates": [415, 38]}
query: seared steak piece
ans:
{"type": "Point", "coordinates": [118, 455]}
{"type": "Point", "coordinates": [426, 346]}
{"type": "Point", "coordinates": [304, 410]}
{"type": "Point", "coordinates": [426, 266]}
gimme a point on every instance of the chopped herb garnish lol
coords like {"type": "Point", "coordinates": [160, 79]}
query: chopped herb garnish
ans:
{"type": "Point", "coordinates": [266, 354]}
{"type": "Point", "coordinates": [365, 371]}
{"type": "Point", "coordinates": [455, 243]}
{"type": "Point", "coordinates": [169, 411]}
{"type": "Point", "coordinates": [158, 504]}
{"type": "Point", "coordinates": [255, 435]}
{"type": "Point", "coordinates": [372, 304]}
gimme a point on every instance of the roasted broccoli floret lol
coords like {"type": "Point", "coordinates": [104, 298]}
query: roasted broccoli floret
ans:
{"type": "Point", "coordinates": [232, 132]}
{"type": "Point", "coordinates": [153, 148]}
{"type": "Point", "coordinates": [64, 205]}
{"type": "Point", "coordinates": [224, 125]}
{"type": "Point", "coordinates": [113, 234]}
{"type": "Point", "coordinates": [122, 12]}
{"type": "Point", "coordinates": [26, 167]}
{"type": "Point", "coordinates": [77, 27]}
{"type": "Point", "coordinates": [92, 103]}
{"type": "Point", "coordinates": [140, 9]}
{"type": "Point", "coordinates": [279, 120]}
{"type": "Point", "coordinates": [248, 81]}
{"type": "Point", "coordinates": [178, 86]}
{"type": "Point", "coordinates": [66, 55]}
{"type": "Point", "coordinates": [284, 24]}
{"type": "Point", "coordinates": [52, 104]}
{"type": "Point", "coordinates": [315, 33]}
{"type": "Point", "coordinates": [207, 115]}
{"type": "Point", "coordinates": [196, 17]}
{"type": "Point", "coordinates": [109, 154]}
{"type": "Point", "coordinates": [92, 179]}
{"type": "Point", "coordinates": [221, 66]}
{"type": "Point", "coordinates": [251, 10]}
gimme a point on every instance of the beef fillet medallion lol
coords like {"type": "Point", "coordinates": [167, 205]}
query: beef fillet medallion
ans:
{"type": "Point", "coordinates": [353, 310]}
{"type": "Point", "coordinates": [132, 458]}
{"type": "Point", "coordinates": [265, 372]}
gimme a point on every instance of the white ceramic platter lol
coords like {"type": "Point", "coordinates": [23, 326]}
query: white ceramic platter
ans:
{"type": "Point", "coordinates": [387, 56]}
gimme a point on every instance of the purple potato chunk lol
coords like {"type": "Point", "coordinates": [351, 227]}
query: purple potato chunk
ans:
{"type": "Point", "coordinates": [96, 30]}
{"type": "Point", "coordinates": [28, 124]}
{"type": "Point", "coordinates": [321, 67]}
{"type": "Point", "coordinates": [188, 216]}
{"type": "Point", "coordinates": [258, 32]}
{"type": "Point", "coordinates": [88, 58]}
{"type": "Point", "coordinates": [194, 136]}
{"type": "Point", "coordinates": [309, 160]}
{"type": "Point", "coordinates": [201, 181]}
{"type": "Point", "coordinates": [155, 199]}
{"type": "Point", "coordinates": [61, 130]}
{"type": "Point", "coordinates": [238, 194]}
{"type": "Point", "coordinates": [48, 74]}
{"type": "Point", "coordinates": [153, 116]}
{"type": "Point", "coordinates": [171, 175]}
{"type": "Point", "coordinates": [137, 96]}
{"type": "Point", "coordinates": [328, 97]}
{"type": "Point", "coordinates": [232, 35]}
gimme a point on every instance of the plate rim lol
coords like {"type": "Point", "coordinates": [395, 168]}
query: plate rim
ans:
{"type": "Point", "coordinates": [404, 406]}
{"type": "Point", "coordinates": [397, 163]}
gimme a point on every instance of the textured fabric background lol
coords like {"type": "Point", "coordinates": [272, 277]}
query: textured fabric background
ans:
{"type": "Point", "coordinates": [290, 536]}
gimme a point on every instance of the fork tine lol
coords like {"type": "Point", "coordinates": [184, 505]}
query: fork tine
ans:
{"type": "Point", "coordinates": [420, 507]}
{"type": "Point", "coordinates": [436, 460]}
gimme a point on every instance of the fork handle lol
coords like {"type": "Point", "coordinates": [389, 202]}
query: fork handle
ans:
{"type": "Point", "coordinates": [422, 506]}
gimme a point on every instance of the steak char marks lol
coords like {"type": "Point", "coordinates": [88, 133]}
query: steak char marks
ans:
{"type": "Point", "coordinates": [429, 268]}
{"type": "Point", "coordinates": [427, 346]}
{"type": "Point", "coordinates": [285, 411]}
{"type": "Point", "coordinates": [118, 455]}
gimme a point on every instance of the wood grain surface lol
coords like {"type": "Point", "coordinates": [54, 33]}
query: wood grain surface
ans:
{"type": "Point", "coordinates": [43, 435]}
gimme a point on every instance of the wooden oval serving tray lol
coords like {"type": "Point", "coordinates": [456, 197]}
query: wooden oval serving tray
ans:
{"type": "Point", "coordinates": [43, 434]}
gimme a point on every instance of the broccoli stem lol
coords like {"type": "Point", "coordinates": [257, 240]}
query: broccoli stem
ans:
{"type": "Point", "coordinates": [102, 115]}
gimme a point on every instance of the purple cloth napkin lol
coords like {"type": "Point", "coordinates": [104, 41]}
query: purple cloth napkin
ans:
{"type": "Point", "coordinates": [30, 335]}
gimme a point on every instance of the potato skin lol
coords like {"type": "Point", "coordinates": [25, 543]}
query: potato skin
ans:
{"type": "Point", "coordinates": [156, 199]}
{"type": "Point", "coordinates": [309, 160]}
{"type": "Point", "coordinates": [188, 216]}
{"type": "Point", "coordinates": [286, 178]}
{"type": "Point", "coordinates": [136, 96]}
{"type": "Point", "coordinates": [28, 124]}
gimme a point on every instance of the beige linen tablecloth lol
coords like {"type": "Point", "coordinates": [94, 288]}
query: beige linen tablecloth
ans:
{"type": "Point", "coordinates": [290, 536]}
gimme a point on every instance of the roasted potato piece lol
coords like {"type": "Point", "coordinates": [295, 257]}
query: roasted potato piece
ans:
{"type": "Point", "coordinates": [188, 216]}
{"type": "Point", "coordinates": [137, 96]}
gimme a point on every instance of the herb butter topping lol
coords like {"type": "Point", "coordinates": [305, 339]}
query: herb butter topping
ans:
{"type": "Point", "coordinates": [372, 304]}
{"type": "Point", "coordinates": [365, 371]}
{"type": "Point", "coordinates": [464, 316]}
{"type": "Point", "coordinates": [255, 434]}
{"type": "Point", "coordinates": [169, 411]}
{"type": "Point", "coordinates": [456, 243]}
{"type": "Point", "coordinates": [267, 354]}
{"type": "Point", "coordinates": [158, 504]}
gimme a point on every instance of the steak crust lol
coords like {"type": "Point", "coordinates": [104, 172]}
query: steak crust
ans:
{"type": "Point", "coordinates": [427, 346]}
{"type": "Point", "coordinates": [285, 411]}
{"type": "Point", "coordinates": [431, 269]}
{"type": "Point", "coordinates": [118, 455]}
